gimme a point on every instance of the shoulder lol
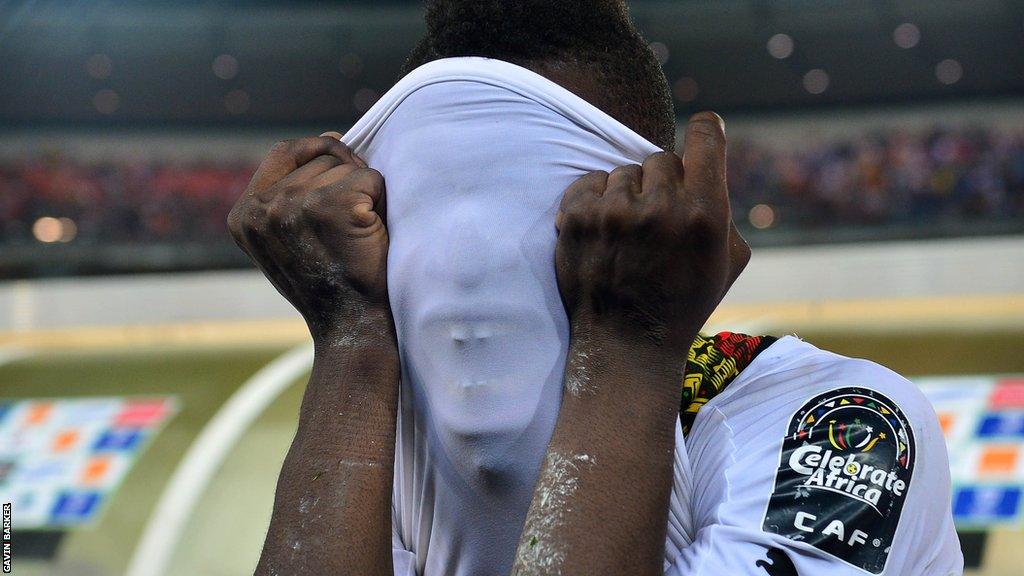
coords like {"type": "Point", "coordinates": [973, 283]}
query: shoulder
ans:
{"type": "Point", "coordinates": [791, 386]}
{"type": "Point", "coordinates": [829, 451]}
{"type": "Point", "coordinates": [792, 372]}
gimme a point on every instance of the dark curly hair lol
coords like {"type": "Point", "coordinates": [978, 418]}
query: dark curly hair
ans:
{"type": "Point", "coordinates": [592, 41]}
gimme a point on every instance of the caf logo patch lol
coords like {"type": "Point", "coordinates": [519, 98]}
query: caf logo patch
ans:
{"type": "Point", "coordinates": [843, 476]}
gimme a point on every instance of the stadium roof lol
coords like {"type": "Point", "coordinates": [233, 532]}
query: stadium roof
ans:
{"type": "Point", "coordinates": [264, 63]}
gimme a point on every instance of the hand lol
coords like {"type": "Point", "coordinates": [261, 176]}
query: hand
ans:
{"type": "Point", "coordinates": [312, 219]}
{"type": "Point", "coordinates": [648, 252]}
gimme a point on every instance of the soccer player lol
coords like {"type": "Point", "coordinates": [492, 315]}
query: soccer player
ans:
{"type": "Point", "coordinates": [508, 371]}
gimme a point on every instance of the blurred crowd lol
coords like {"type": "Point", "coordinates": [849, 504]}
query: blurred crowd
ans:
{"type": "Point", "coordinates": [121, 201]}
{"type": "Point", "coordinates": [895, 177]}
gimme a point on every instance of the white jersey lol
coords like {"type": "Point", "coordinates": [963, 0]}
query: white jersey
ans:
{"type": "Point", "coordinates": [809, 463]}
{"type": "Point", "coordinates": [814, 463]}
{"type": "Point", "coordinates": [476, 154]}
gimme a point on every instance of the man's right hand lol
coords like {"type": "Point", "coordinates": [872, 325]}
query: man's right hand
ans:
{"type": "Point", "coordinates": [312, 219]}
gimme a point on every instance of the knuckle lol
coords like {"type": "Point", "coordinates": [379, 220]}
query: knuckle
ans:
{"type": "Point", "coordinates": [252, 229]}
{"type": "Point", "coordinates": [370, 176]}
{"type": "Point", "coordinates": [368, 180]}
{"type": "Point", "coordinates": [334, 148]}
{"type": "Point", "coordinates": [662, 170]}
{"type": "Point", "coordinates": [629, 172]}
{"type": "Point", "coordinates": [578, 217]}
{"type": "Point", "coordinates": [596, 180]}
{"type": "Point", "coordinates": [290, 189]}
{"type": "Point", "coordinates": [646, 220]}
{"type": "Point", "coordinates": [574, 212]}
{"type": "Point", "coordinates": [698, 215]}
{"type": "Point", "coordinates": [277, 214]}
{"type": "Point", "coordinates": [625, 169]}
{"type": "Point", "coordinates": [616, 220]}
{"type": "Point", "coordinates": [314, 205]}
{"type": "Point", "coordinates": [273, 216]}
{"type": "Point", "coordinates": [236, 231]}
{"type": "Point", "coordinates": [705, 227]}
{"type": "Point", "coordinates": [664, 156]}
{"type": "Point", "coordinates": [664, 162]}
{"type": "Point", "coordinates": [626, 179]}
{"type": "Point", "coordinates": [340, 151]}
{"type": "Point", "coordinates": [572, 226]}
{"type": "Point", "coordinates": [234, 221]}
{"type": "Point", "coordinates": [573, 201]}
{"type": "Point", "coordinates": [335, 175]}
{"type": "Point", "coordinates": [340, 146]}
{"type": "Point", "coordinates": [282, 147]}
{"type": "Point", "coordinates": [326, 162]}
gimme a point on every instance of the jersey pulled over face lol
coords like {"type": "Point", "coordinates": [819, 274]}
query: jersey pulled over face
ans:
{"type": "Point", "coordinates": [474, 173]}
{"type": "Point", "coordinates": [469, 271]}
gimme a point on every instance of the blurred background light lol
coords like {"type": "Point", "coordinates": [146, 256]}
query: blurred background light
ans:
{"type": "Point", "coordinates": [761, 216]}
{"type": "Point", "coordinates": [906, 35]}
{"type": "Point", "coordinates": [68, 229]}
{"type": "Point", "coordinates": [350, 65]}
{"type": "Point", "coordinates": [660, 52]}
{"type": "Point", "coordinates": [106, 101]}
{"type": "Point", "coordinates": [949, 71]}
{"type": "Point", "coordinates": [685, 89]}
{"type": "Point", "coordinates": [99, 66]}
{"type": "Point", "coordinates": [780, 46]}
{"type": "Point", "coordinates": [49, 229]}
{"type": "Point", "coordinates": [225, 66]}
{"type": "Point", "coordinates": [236, 102]}
{"type": "Point", "coordinates": [816, 81]}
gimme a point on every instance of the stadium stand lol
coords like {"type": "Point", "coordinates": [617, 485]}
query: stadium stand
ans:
{"type": "Point", "coordinates": [902, 177]}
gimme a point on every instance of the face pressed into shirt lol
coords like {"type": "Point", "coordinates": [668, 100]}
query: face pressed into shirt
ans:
{"type": "Point", "coordinates": [475, 172]}
{"type": "Point", "coordinates": [478, 325]}
{"type": "Point", "coordinates": [480, 315]}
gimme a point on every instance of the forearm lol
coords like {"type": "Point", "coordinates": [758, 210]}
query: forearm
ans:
{"type": "Point", "coordinates": [601, 502]}
{"type": "Point", "coordinates": [332, 511]}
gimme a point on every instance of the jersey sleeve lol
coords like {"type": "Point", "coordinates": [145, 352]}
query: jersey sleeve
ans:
{"type": "Point", "coordinates": [829, 466]}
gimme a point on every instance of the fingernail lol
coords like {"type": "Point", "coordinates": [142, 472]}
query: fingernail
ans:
{"type": "Point", "coordinates": [708, 116]}
{"type": "Point", "coordinates": [721, 122]}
